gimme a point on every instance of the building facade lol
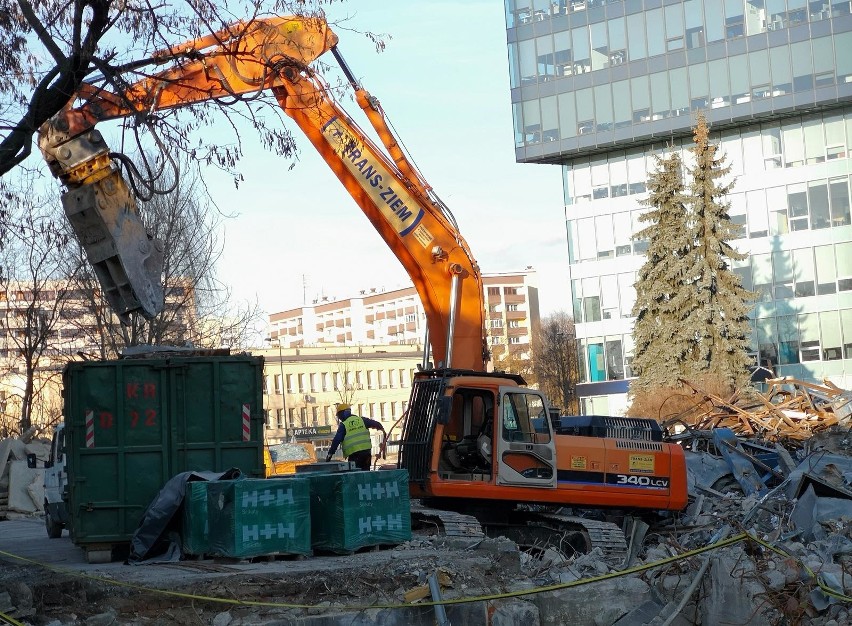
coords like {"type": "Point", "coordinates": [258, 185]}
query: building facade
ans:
{"type": "Point", "coordinates": [603, 87]}
{"type": "Point", "coordinates": [302, 385]}
{"type": "Point", "coordinates": [397, 318]}
{"type": "Point", "coordinates": [55, 323]}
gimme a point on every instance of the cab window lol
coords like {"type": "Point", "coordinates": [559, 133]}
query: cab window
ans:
{"type": "Point", "coordinates": [525, 418]}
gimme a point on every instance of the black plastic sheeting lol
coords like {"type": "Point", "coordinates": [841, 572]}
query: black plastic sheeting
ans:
{"type": "Point", "coordinates": [157, 539]}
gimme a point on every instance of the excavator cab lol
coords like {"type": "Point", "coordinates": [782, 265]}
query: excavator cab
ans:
{"type": "Point", "coordinates": [473, 427]}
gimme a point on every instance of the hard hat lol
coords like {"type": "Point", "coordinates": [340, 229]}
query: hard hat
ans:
{"type": "Point", "coordinates": [341, 406]}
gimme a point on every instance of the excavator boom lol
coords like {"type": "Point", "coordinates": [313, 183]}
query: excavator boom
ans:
{"type": "Point", "coordinates": [245, 58]}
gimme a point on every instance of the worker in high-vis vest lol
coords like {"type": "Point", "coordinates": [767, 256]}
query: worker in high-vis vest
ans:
{"type": "Point", "coordinates": [353, 432]}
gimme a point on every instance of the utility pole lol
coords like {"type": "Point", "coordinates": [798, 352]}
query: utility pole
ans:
{"type": "Point", "coordinates": [283, 388]}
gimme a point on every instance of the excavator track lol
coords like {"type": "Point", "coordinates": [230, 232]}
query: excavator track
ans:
{"type": "Point", "coordinates": [452, 524]}
{"type": "Point", "coordinates": [604, 535]}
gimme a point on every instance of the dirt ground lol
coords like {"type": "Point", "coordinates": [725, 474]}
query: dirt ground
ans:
{"type": "Point", "coordinates": [62, 593]}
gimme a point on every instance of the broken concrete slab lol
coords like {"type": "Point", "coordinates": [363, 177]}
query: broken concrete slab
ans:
{"type": "Point", "coordinates": [601, 602]}
{"type": "Point", "coordinates": [732, 593]}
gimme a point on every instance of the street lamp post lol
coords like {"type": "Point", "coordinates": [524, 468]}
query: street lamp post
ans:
{"type": "Point", "coordinates": [283, 391]}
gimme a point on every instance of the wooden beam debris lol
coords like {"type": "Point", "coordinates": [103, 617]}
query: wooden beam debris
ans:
{"type": "Point", "coordinates": [789, 412]}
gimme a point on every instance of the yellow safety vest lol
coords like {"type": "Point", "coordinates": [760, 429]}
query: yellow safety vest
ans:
{"type": "Point", "coordinates": [357, 435]}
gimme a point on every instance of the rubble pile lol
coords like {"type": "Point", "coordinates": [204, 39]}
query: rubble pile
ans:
{"type": "Point", "coordinates": [788, 411]}
{"type": "Point", "coordinates": [21, 486]}
{"type": "Point", "coordinates": [766, 538]}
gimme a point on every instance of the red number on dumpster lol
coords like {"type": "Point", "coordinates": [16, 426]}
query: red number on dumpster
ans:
{"type": "Point", "coordinates": [105, 419]}
{"type": "Point", "coordinates": [134, 418]}
{"type": "Point", "coordinates": [150, 417]}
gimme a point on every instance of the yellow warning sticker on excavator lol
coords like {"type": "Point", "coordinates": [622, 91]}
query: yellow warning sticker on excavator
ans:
{"type": "Point", "coordinates": [422, 234]}
{"type": "Point", "coordinates": [641, 463]}
{"type": "Point", "coordinates": [578, 462]}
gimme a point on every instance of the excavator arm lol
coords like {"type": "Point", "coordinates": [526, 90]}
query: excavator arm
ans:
{"type": "Point", "coordinates": [248, 57]}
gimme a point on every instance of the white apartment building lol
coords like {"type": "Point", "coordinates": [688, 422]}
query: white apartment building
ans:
{"type": "Point", "coordinates": [377, 317]}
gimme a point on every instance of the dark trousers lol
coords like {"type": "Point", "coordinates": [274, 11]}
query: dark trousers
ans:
{"type": "Point", "coordinates": [361, 459]}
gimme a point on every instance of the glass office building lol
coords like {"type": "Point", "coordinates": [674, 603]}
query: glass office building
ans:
{"type": "Point", "coordinates": [602, 87]}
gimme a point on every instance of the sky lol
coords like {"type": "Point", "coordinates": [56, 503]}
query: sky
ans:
{"type": "Point", "coordinates": [443, 83]}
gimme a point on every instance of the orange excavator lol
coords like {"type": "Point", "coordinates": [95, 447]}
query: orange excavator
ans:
{"type": "Point", "coordinates": [475, 442]}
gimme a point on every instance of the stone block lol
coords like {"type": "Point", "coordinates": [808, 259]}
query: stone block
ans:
{"type": "Point", "coordinates": [513, 612]}
{"type": "Point", "coordinates": [26, 488]}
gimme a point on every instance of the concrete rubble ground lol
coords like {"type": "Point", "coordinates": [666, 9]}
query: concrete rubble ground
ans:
{"type": "Point", "coordinates": [766, 539]}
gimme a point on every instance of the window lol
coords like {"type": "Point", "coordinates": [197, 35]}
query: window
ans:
{"type": "Point", "coordinates": [788, 340]}
{"type": "Point", "coordinates": [809, 333]}
{"type": "Point", "coordinates": [782, 273]}
{"type": "Point", "coordinates": [614, 361]}
{"type": "Point", "coordinates": [771, 139]}
{"type": "Point", "coordinates": [844, 266]}
{"type": "Point", "coordinates": [766, 346]}
{"type": "Point", "coordinates": [279, 418]}
{"type": "Point", "coordinates": [514, 324]}
{"type": "Point", "coordinates": [267, 419]}
{"type": "Point", "coordinates": [495, 323]}
{"type": "Point", "coordinates": [525, 418]}
{"type": "Point", "coordinates": [761, 268]}
{"type": "Point", "coordinates": [514, 340]}
{"type": "Point", "coordinates": [803, 264]}
{"type": "Point", "coordinates": [818, 205]}
{"type": "Point", "coordinates": [622, 233]}
{"type": "Point", "coordinates": [845, 326]}
{"type": "Point", "coordinates": [290, 386]}
{"type": "Point", "coordinates": [609, 297]}
{"type": "Point", "coordinates": [511, 307]}
{"type": "Point", "coordinates": [494, 291]}
{"type": "Point", "coordinates": [605, 236]}
{"type": "Point", "coordinates": [776, 200]}
{"type": "Point", "coordinates": [591, 300]}
{"type": "Point", "coordinates": [734, 26]}
{"type": "Point", "coordinates": [277, 382]}
{"type": "Point", "coordinates": [829, 322]}
{"type": "Point", "coordinates": [797, 207]}
{"type": "Point", "coordinates": [265, 380]}
{"type": "Point", "coordinates": [814, 141]}
{"type": "Point", "coordinates": [597, 362]}
{"type": "Point", "coordinates": [626, 293]}
{"type": "Point", "coordinates": [826, 273]}
{"type": "Point", "coordinates": [839, 196]}
{"type": "Point", "coordinates": [636, 48]}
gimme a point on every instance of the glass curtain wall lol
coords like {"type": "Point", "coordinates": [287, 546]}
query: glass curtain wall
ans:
{"type": "Point", "coordinates": [792, 197]}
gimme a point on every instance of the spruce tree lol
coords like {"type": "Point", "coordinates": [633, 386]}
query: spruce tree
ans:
{"type": "Point", "coordinates": [658, 337]}
{"type": "Point", "coordinates": [716, 304]}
